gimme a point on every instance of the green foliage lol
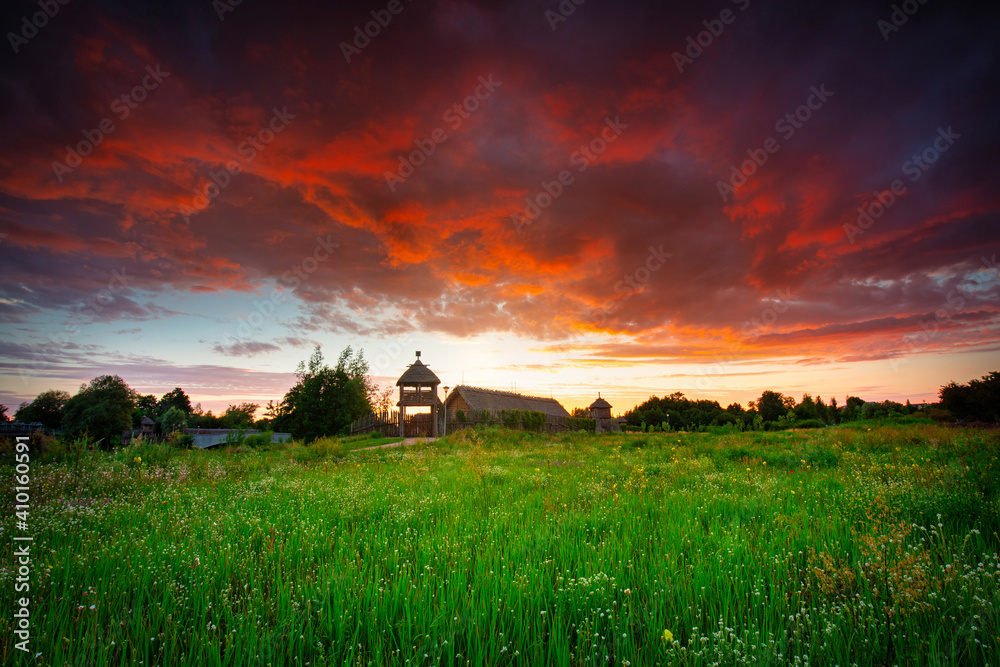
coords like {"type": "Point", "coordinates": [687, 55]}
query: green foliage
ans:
{"type": "Point", "coordinates": [175, 398]}
{"type": "Point", "coordinates": [172, 420]}
{"type": "Point", "coordinates": [103, 409]}
{"type": "Point", "coordinates": [805, 545]}
{"type": "Point", "coordinates": [773, 405]}
{"type": "Point", "coordinates": [979, 400]}
{"type": "Point", "coordinates": [322, 449]}
{"type": "Point", "coordinates": [326, 400]}
{"type": "Point", "coordinates": [179, 440]}
{"type": "Point", "coordinates": [510, 418]}
{"type": "Point", "coordinates": [533, 420]}
{"type": "Point", "coordinates": [238, 416]}
{"type": "Point", "coordinates": [460, 416]}
{"type": "Point", "coordinates": [259, 439]}
{"type": "Point", "coordinates": [46, 408]}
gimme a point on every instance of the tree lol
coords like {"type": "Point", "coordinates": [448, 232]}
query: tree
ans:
{"type": "Point", "coordinates": [176, 398]}
{"type": "Point", "coordinates": [47, 408]}
{"type": "Point", "coordinates": [3, 414]}
{"type": "Point", "coordinates": [172, 420]}
{"type": "Point", "coordinates": [326, 400]}
{"type": "Point", "coordinates": [772, 405]}
{"type": "Point", "coordinates": [383, 398]}
{"type": "Point", "coordinates": [146, 403]}
{"type": "Point", "coordinates": [822, 411]}
{"type": "Point", "coordinates": [239, 416]}
{"type": "Point", "coordinates": [806, 409]}
{"type": "Point", "coordinates": [102, 409]}
{"type": "Point", "coordinates": [852, 408]}
{"type": "Point", "coordinates": [979, 400]}
{"type": "Point", "coordinates": [580, 412]}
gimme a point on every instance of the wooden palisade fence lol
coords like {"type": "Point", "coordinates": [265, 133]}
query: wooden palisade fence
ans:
{"type": "Point", "coordinates": [386, 422]}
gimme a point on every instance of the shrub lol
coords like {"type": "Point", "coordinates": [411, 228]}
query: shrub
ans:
{"type": "Point", "coordinates": [179, 440]}
{"type": "Point", "coordinates": [809, 423]}
{"type": "Point", "coordinates": [321, 449]}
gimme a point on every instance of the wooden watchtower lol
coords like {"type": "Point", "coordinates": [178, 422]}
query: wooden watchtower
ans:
{"type": "Point", "coordinates": [600, 412]}
{"type": "Point", "coordinates": [418, 386]}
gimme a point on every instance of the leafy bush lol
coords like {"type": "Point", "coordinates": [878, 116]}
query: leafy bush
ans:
{"type": "Point", "coordinates": [809, 423]}
{"type": "Point", "coordinates": [321, 449]}
{"type": "Point", "coordinates": [533, 420]}
{"type": "Point", "coordinates": [179, 440]}
{"type": "Point", "coordinates": [255, 440]}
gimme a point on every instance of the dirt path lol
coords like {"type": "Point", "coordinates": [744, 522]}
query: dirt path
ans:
{"type": "Point", "coordinates": [401, 443]}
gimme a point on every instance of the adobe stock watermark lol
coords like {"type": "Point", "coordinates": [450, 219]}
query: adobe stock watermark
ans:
{"type": "Point", "coordinates": [581, 158]}
{"type": "Point", "coordinates": [714, 28]}
{"type": "Point", "coordinates": [22, 543]}
{"type": "Point", "coordinates": [252, 146]}
{"type": "Point", "coordinates": [31, 25]}
{"type": "Point", "coordinates": [928, 329]}
{"type": "Point", "coordinates": [122, 106]}
{"type": "Point", "coordinates": [786, 126]}
{"type": "Point", "coordinates": [363, 37]}
{"type": "Point", "coordinates": [632, 283]}
{"type": "Point", "coordinates": [901, 13]}
{"type": "Point", "coordinates": [84, 314]}
{"type": "Point", "coordinates": [223, 7]}
{"type": "Point", "coordinates": [454, 116]}
{"type": "Point", "coordinates": [290, 280]}
{"type": "Point", "coordinates": [753, 328]}
{"type": "Point", "coordinates": [915, 167]}
{"type": "Point", "coordinates": [565, 9]}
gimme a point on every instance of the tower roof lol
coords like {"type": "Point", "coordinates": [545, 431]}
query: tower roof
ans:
{"type": "Point", "coordinates": [418, 372]}
{"type": "Point", "coordinates": [600, 403]}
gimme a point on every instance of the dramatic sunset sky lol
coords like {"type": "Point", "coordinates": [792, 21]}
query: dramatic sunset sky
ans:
{"type": "Point", "coordinates": [652, 269]}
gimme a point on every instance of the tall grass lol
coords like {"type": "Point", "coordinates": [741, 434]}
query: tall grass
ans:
{"type": "Point", "coordinates": [833, 546]}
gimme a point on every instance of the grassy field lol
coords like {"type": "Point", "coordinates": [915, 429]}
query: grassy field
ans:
{"type": "Point", "coordinates": [837, 546]}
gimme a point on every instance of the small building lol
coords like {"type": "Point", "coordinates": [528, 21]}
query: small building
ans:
{"type": "Point", "coordinates": [146, 430]}
{"type": "Point", "coordinates": [418, 387]}
{"type": "Point", "coordinates": [600, 411]}
{"type": "Point", "coordinates": [472, 400]}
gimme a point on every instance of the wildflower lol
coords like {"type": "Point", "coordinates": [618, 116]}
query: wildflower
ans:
{"type": "Point", "coordinates": [668, 636]}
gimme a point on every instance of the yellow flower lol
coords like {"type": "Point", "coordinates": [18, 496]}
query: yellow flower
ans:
{"type": "Point", "coordinates": [793, 491]}
{"type": "Point", "coordinates": [138, 459]}
{"type": "Point", "coordinates": [668, 636]}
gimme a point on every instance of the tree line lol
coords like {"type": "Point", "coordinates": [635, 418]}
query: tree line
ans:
{"type": "Point", "coordinates": [323, 401]}
{"type": "Point", "coordinates": [978, 400]}
{"type": "Point", "coordinates": [326, 399]}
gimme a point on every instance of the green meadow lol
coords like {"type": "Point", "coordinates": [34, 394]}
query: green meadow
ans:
{"type": "Point", "coordinates": [839, 546]}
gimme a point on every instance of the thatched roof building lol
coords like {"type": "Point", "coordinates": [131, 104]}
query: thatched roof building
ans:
{"type": "Point", "coordinates": [418, 373]}
{"type": "Point", "coordinates": [469, 399]}
{"type": "Point", "coordinates": [600, 411]}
